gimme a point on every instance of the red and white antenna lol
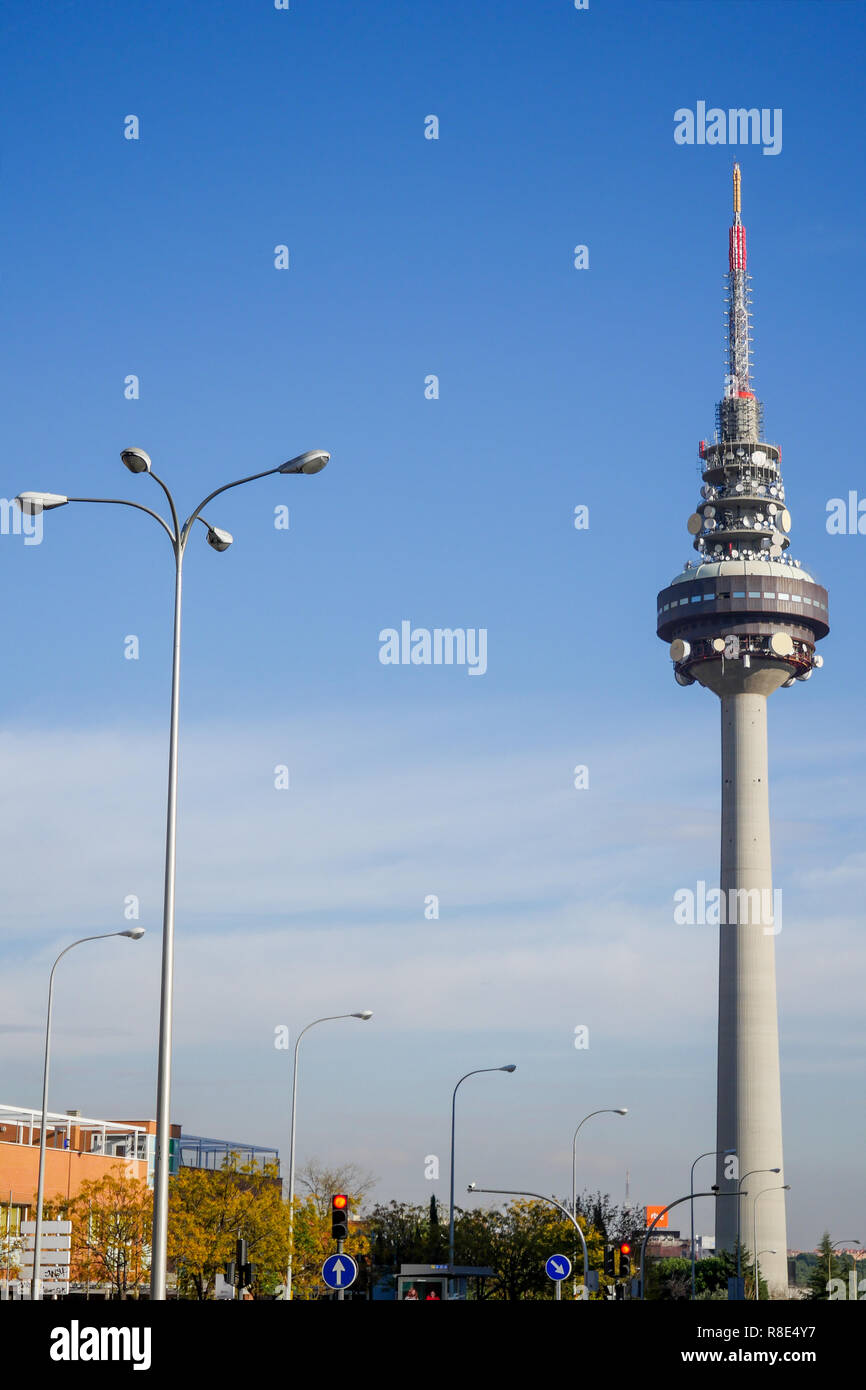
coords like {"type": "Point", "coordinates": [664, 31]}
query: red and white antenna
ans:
{"type": "Point", "coordinates": [739, 316]}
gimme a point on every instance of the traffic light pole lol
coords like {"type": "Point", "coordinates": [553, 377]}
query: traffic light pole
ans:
{"type": "Point", "coordinates": [341, 1292]}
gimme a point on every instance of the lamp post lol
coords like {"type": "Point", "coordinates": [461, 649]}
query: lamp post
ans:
{"type": "Point", "coordinates": [622, 1110]}
{"type": "Point", "coordinates": [714, 1153]}
{"type": "Point", "coordinates": [135, 934]}
{"type": "Point", "coordinates": [510, 1192]}
{"type": "Point", "coordinates": [785, 1188]}
{"type": "Point", "coordinates": [846, 1241]}
{"type": "Point", "coordinates": [137, 461]}
{"type": "Point", "coordinates": [757, 1285]}
{"type": "Point", "coordinates": [739, 1194]}
{"type": "Point", "coordinates": [477, 1072]}
{"type": "Point", "coordinates": [329, 1018]}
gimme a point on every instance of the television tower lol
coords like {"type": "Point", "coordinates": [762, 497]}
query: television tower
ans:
{"type": "Point", "coordinates": [743, 621]}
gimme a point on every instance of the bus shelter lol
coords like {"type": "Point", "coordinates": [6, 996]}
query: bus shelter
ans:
{"type": "Point", "coordinates": [429, 1283]}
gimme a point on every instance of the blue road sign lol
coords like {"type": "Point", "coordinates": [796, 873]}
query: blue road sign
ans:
{"type": "Point", "coordinates": [339, 1271]}
{"type": "Point", "coordinates": [558, 1267]}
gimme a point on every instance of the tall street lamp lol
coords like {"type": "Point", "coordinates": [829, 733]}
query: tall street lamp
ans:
{"type": "Point", "coordinates": [329, 1018]}
{"type": "Point", "coordinates": [135, 934]}
{"type": "Point", "coordinates": [714, 1153]}
{"type": "Point", "coordinates": [477, 1072]}
{"type": "Point", "coordinates": [786, 1188]}
{"type": "Point", "coordinates": [739, 1195]}
{"type": "Point", "coordinates": [137, 461]}
{"type": "Point", "coordinates": [622, 1110]}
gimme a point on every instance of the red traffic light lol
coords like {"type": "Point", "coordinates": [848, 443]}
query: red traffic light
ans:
{"type": "Point", "coordinates": [625, 1248]}
{"type": "Point", "coordinates": [340, 1216]}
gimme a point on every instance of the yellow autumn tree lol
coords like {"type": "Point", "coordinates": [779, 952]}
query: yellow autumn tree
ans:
{"type": "Point", "coordinates": [111, 1231]}
{"type": "Point", "coordinates": [209, 1209]}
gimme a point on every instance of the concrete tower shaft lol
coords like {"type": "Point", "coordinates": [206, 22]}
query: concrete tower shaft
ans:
{"type": "Point", "coordinates": [748, 1101]}
{"type": "Point", "coordinates": [742, 622]}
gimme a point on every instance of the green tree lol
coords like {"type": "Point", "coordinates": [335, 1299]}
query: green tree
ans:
{"type": "Point", "coordinates": [671, 1277]}
{"type": "Point", "coordinates": [401, 1233]}
{"type": "Point", "coordinates": [828, 1266]}
{"type": "Point", "coordinates": [516, 1242]}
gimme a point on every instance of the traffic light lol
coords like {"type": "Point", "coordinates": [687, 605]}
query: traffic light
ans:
{"type": "Point", "coordinates": [610, 1261]}
{"type": "Point", "coordinates": [625, 1260]}
{"type": "Point", "coordinates": [339, 1216]}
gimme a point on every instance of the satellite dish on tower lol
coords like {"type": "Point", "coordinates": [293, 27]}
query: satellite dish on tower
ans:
{"type": "Point", "coordinates": [695, 523]}
{"type": "Point", "coordinates": [718, 644]}
{"type": "Point", "coordinates": [785, 520]}
{"type": "Point", "coordinates": [759, 457]}
{"type": "Point", "coordinates": [679, 649]}
{"type": "Point", "coordinates": [781, 644]}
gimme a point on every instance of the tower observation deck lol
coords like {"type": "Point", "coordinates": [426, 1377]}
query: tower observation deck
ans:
{"type": "Point", "coordinates": [743, 620]}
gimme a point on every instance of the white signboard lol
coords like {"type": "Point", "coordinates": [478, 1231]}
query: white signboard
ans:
{"type": "Point", "coordinates": [55, 1254]}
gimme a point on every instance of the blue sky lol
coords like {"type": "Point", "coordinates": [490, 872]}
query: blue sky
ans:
{"type": "Point", "coordinates": [411, 257]}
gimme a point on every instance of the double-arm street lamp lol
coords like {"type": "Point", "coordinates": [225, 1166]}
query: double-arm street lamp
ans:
{"type": "Point", "coordinates": [477, 1072]}
{"type": "Point", "coordinates": [135, 934]}
{"type": "Point", "coordinates": [137, 461]}
{"type": "Point", "coordinates": [621, 1110]}
{"type": "Point", "coordinates": [329, 1018]}
{"type": "Point", "coordinates": [714, 1153]}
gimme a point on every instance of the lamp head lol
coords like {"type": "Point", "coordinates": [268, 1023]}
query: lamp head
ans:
{"type": "Point", "coordinates": [313, 461]}
{"type": "Point", "coordinates": [220, 540]}
{"type": "Point", "coordinates": [35, 502]}
{"type": "Point", "coordinates": [134, 934]}
{"type": "Point", "coordinates": [136, 460]}
{"type": "Point", "coordinates": [472, 1186]}
{"type": "Point", "coordinates": [623, 1110]}
{"type": "Point", "coordinates": [511, 1067]}
{"type": "Point", "coordinates": [367, 1013]}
